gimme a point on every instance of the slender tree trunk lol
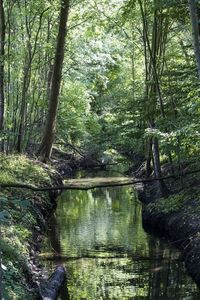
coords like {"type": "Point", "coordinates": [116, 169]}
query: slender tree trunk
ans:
{"type": "Point", "coordinates": [171, 162]}
{"type": "Point", "coordinates": [2, 43]}
{"type": "Point", "coordinates": [1, 273]}
{"type": "Point", "coordinates": [156, 157]}
{"type": "Point", "coordinates": [148, 157]}
{"type": "Point", "coordinates": [2, 51]}
{"type": "Point", "coordinates": [154, 50]}
{"type": "Point", "coordinates": [49, 132]}
{"type": "Point", "coordinates": [15, 100]}
{"type": "Point", "coordinates": [195, 30]}
{"type": "Point", "coordinates": [23, 110]}
{"type": "Point", "coordinates": [8, 80]}
{"type": "Point", "coordinates": [31, 49]}
{"type": "Point", "coordinates": [157, 166]}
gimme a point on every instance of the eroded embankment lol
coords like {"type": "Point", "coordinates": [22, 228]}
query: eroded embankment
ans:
{"type": "Point", "coordinates": [23, 216]}
{"type": "Point", "coordinates": [178, 219]}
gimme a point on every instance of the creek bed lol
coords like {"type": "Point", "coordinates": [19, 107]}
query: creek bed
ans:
{"type": "Point", "coordinates": [98, 236]}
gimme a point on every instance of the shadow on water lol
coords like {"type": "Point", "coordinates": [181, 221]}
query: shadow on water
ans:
{"type": "Point", "coordinates": [99, 236]}
{"type": "Point", "coordinates": [54, 234]}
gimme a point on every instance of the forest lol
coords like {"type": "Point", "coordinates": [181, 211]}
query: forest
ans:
{"type": "Point", "coordinates": [106, 82]}
{"type": "Point", "coordinates": [129, 78]}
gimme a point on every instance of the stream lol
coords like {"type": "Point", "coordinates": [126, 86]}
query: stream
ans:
{"type": "Point", "coordinates": [98, 236]}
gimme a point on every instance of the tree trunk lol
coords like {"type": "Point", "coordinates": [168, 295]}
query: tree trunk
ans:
{"type": "Point", "coordinates": [48, 137]}
{"type": "Point", "coordinates": [2, 44]}
{"type": "Point", "coordinates": [148, 157]}
{"type": "Point", "coordinates": [157, 166]}
{"type": "Point", "coordinates": [23, 110]}
{"type": "Point", "coordinates": [49, 290]}
{"type": "Point", "coordinates": [195, 31]}
{"type": "Point", "coordinates": [31, 48]}
{"type": "Point", "coordinates": [1, 273]}
{"type": "Point", "coordinates": [154, 50]}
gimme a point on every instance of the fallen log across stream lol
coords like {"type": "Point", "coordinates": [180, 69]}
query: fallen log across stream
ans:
{"type": "Point", "coordinates": [61, 257]}
{"type": "Point", "coordinates": [92, 183]}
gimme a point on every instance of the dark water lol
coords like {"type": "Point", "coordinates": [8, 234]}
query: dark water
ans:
{"type": "Point", "coordinates": [98, 235]}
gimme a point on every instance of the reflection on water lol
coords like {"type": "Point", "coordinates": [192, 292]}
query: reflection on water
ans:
{"type": "Point", "coordinates": [98, 235]}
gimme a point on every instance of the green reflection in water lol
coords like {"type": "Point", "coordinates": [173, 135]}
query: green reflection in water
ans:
{"type": "Point", "coordinates": [99, 236]}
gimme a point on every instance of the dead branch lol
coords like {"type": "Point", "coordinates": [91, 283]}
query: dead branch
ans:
{"type": "Point", "coordinates": [79, 187]}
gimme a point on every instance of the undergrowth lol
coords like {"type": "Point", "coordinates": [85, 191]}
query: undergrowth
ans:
{"type": "Point", "coordinates": [188, 198]}
{"type": "Point", "coordinates": [19, 215]}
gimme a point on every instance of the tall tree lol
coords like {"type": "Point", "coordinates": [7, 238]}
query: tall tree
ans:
{"type": "Point", "coordinates": [48, 137]}
{"type": "Point", "coordinates": [2, 44]}
{"type": "Point", "coordinates": [195, 21]}
{"type": "Point", "coordinates": [30, 51]}
{"type": "Point", "coordinates": [154, 51]}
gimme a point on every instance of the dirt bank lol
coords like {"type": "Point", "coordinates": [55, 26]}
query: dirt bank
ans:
{"type": "Point", "coordinates": [177, 219]}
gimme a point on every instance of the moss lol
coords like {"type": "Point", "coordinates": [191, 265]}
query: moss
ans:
{"type": "Point", "coordinates": [18, 168]}
{"type": "Point", "coordinates": [20, 212]}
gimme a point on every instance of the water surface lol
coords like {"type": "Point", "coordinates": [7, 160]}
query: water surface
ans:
{"type": "Point", "coordinates": [98, 235]}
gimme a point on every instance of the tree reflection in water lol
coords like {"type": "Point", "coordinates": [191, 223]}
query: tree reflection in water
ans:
{"type": "Point", "coordinates": [107, 253]}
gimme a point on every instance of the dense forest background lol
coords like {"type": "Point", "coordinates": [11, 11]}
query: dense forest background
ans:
{"type": "Point", "coordinates": [106, 80]}
{"type": "Point", "coordinates": [129, 78]}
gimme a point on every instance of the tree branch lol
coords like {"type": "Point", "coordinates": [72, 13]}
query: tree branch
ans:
{"type": "Point", "coordinates": [72, 186]}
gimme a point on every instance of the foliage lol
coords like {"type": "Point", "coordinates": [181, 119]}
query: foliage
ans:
{"type": "Point", "coordinates": [19, 169]}
{"type": "Point", "coordinates": [169, 205]}
{"type": "Point", "coordinates": [102, 104]}
{"type": "Point", "coordinates": [188, 200]}
{"type": "Point", "coordinates": [129, 78]}
{"type": "Point", "coordinates": [15, 283]}
{"type": "Point", "coordinates": [18, 217]}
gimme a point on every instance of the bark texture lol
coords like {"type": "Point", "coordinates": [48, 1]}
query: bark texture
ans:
{"type": "Point", "coordinates": [154, 52]}
{"type": "Point", "coordinates": [2, 43]}
{"type": "Point", "coordinates": [49, 132]}
{"type": "Point", "coordinates": [194, 16]}
{"type": "Point", "coordinates": [157, 167]}
{"type": "Point", "coordinates": [2, 51]}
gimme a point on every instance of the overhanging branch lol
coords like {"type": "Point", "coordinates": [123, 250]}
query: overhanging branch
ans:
{"type": "Point", "coordinates": [93, 186]}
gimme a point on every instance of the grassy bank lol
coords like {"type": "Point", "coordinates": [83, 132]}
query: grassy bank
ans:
{"type": "Point", "coordinates": [22, 218]}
